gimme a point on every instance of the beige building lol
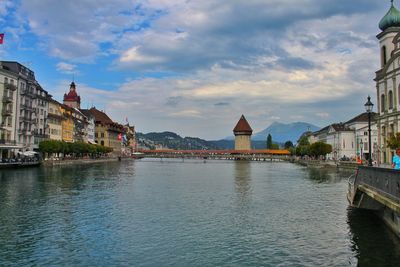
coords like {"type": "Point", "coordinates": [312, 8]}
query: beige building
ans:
{"type": "Point", "coordinates": [107, 132]}
{"type": "Point", "coordinates": [54, 120]}
{"type": "Point", "coordinates": [242, 132]}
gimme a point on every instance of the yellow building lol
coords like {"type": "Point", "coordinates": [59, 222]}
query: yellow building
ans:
{"type": "Point", "coordinates": [107, 132]}
{"type": "Point", "coordinates": [54, 120]}
{"type": "Point", "coordinates": [67, 124]}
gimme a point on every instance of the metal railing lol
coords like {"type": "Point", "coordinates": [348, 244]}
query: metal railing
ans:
{"type": "Point", "coordinates": [7, 99]}
{"type": "Point", "coordinates": [7, 112]}
{"type": "Point", "coordinates": [10, 86]}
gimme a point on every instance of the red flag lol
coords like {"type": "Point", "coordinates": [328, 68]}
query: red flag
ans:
{"type": "Point", "coordinates": [120, 137]}
{"type": "Point", "coordinates": [1, 38]}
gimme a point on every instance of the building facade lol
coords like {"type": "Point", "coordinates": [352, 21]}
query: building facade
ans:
{"type": "Point", "coordinates": [388, 82]}
{"type": "Point", "coordinates": [107, 132]}
{"type": "Point", "coordinates": [242, 132]}
{"type": "Point", "coordinates": [54, 120]}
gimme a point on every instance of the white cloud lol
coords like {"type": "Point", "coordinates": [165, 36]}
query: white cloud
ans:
{"type": "Point", "coordinates": [67, 68]}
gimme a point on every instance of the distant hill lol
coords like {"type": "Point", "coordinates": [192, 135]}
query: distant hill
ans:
{"type": "Point", "coordinates": [171, 140]}
{"type": "Point", "coordinates": [281, 132]}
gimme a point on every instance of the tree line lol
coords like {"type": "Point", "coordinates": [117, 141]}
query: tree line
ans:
{"type": "Point", "coordinates": [76, 149]}
{"type": "Point", "coordinates": [303, 148]}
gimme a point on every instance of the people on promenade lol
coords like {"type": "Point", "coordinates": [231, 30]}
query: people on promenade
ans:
{"type": "Point", "coordinates": [396, 160]}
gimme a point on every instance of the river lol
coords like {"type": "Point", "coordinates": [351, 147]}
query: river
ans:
{"type": "Point", "coordinates": [186, 213]}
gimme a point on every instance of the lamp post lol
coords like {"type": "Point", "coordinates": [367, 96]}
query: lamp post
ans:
{"type": "Point", "coordinates": [368, 108]}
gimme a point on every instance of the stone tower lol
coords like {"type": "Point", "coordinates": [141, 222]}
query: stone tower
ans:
{"type": "Point", "coordinates": [242, 132]}
{"type": "Point", "coordinates": [72, 99]}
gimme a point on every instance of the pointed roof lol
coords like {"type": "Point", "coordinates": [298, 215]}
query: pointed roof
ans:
{"type": "Point", "coordinates": [391, 19]}
{"type": "Point", "coordinates": [242, 127]}
{"type": "Point", "coordinates": [72, 95]}
{"type": "Point", "coordinates": [100, 117]}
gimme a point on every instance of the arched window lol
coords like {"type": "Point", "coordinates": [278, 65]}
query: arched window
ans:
{"type": "Point", "coordinates": [102, 142]}
{"type": "Point", "coordinates": [382, 103]}
{"type": "Point", "coordinates": [390, 99]}
{"type": "Point", "coordinates": [383, 55]}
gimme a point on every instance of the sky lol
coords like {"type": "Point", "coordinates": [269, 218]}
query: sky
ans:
{"type": "Point", "coordinates": [194, 67]}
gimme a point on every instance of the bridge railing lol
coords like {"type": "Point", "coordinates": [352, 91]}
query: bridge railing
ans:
{"type": "Point", "coordinates": [385, 180]}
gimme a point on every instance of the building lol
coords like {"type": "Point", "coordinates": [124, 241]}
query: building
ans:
{"type": "Point", "coordinates": [72, 99]}
{"type": "Point", "coordinates": [242, 132]}
{"type": "Point", "coordinates": [8, 108]}
{"type": "Point", "coordinates": [54, 120]}
{"type": "Point", "coordinates": [67, 124]}
{"type": "Point", "coordinates": [348, 139]}
{"type": "Point", "coordinates": [90, 130]}
{"type": "Point", "coordinates": [107, 132]}
{"type": "Point", "coordinates": [40, 104]}
{"type": "Point", "coordinates": [388, 81]}
{"type": "Point", "coordinates": [25, 107]}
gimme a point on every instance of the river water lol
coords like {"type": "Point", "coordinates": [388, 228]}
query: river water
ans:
{"type": "Point", "coordinates": [186, 213]}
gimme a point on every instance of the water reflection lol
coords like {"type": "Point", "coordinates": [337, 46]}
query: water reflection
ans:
{"type": "Point", "coordinates": [325, 175]}
{"type": "Point", "coordinates": [370, 239]}
{"type": "Point", "coordinates": [243, 179]}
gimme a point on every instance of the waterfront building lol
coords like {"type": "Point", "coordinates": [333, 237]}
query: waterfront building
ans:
{"type": "Point", "coordinates": [67, 124]}
{"type": "Point", "coordinates": [8, 107]}
{"type": "Point", "coordinates": [24, 107]}
{"type": "Point", "coordinates": [348, 139]}
{"type": "Point", "coordinates": [54, 120]}
{"type": "Point", "coordinates": [388, 81]}
{"type": "Point", "coordinates": [90, 129]}
{"type": "Point", "coordinates": [107, 132]}
{"type": "Point", "coordinates": [40, 106]}
{"type": "Point", "coordinates": [242, 132]}
{"type": "Point", "coordinates": [80, 126]}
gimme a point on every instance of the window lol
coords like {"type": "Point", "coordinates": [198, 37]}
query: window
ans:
{"type": "Point", "coordinates": [5, 80]}
{"type": "Point", "coordinates": [382, 103]}
{"type": "Point", "coordinates": [383, 56]}
{"type": "Point", "coordinates": [390, 100]}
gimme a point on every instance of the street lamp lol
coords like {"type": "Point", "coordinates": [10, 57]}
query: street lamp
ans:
{"type": "Point", "coordinates": [368, 108]}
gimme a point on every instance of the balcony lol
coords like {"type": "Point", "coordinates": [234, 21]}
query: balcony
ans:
{"type": "Point", "coordinates": [27, 93]}
{"type": "Point", "coordinates": [26, 107]}
{"type": "Point", "coordinates": [10, 86]}
{"type": "Point", "coordinates": [7, 142]}
{"type": "Point", "coordinates": [6, 112]}
{"type": "Point", "coordinates": [7, 99]}
{"type": "Point", "coordinates": [25, 119]}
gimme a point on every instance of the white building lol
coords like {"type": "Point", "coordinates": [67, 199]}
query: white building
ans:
{"type": "Point", "coordinates": [388, 82]}
{"type": "Point", "coordinates": [28, 103]}
{"type": "Point", "coordinates": [348, 139]}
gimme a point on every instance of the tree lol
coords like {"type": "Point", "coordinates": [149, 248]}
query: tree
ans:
{"type": "Point", "coordinates": [320, 149]}
{"type": "Point", "coordinates": [269, 141]}
{"type": "Point", "coordinates": [288, 144]}
{"type": "Point", "coordinates": [275, 146]}
{"type": "Point", "coordinates": [393, 142]}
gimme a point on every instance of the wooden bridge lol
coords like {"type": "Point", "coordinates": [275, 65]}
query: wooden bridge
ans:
{"type": "Point", "coordinates": [258, 155]}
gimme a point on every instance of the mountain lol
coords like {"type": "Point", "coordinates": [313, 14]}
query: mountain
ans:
{"type": "Point", "coordinates": [281, 132]}
{"type": "Point", "coordinates": [170, 140]}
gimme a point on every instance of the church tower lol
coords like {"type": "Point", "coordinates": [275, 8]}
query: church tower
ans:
{"type": "Point", "coordinates": [242, 132]}
{"type": "Point", "coordinates": [388, 82]}
{"type": "Point", "coordinates": [72, 99]}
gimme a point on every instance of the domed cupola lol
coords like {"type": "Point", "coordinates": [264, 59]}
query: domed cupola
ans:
{"type": "Point", "coordinates": [391, 19]}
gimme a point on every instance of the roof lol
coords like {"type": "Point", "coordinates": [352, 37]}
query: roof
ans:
{"type": "Point", "coordinates": [363, 117]}
{"type": "Point", "coordinates": [100, 117]}
{"type": "Point", "coordinates": [391, 19]}
{"type": "Point", "coordinates": [72, 95]}
{"type": "Point", "coordinates": [87, 113]}
{"type": "Point", "coordinates": [340, 127]}
{"type": "Point", "coordinates": [243, 126]}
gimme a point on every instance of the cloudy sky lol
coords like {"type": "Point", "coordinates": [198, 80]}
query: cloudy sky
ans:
{"type": "Point", "coordinates": [193, 67]}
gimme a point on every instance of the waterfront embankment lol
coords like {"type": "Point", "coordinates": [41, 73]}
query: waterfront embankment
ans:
{"type": "Point", "coordinates": [72, 161]}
